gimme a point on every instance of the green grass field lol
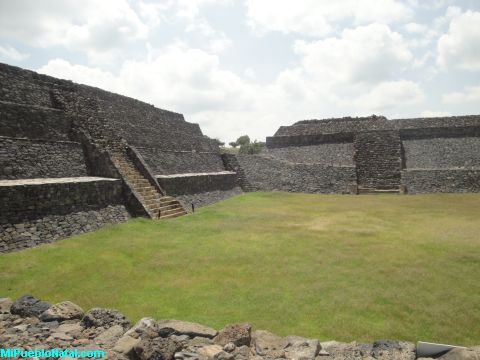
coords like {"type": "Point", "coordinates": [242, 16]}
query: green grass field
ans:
{"type": "Point", "coordinates": [325, 266]}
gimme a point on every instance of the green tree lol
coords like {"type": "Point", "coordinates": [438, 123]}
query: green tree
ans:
{"type": "Point", "coordinates": [252, 148]}
{"type": "Point", "coordinates": [243, 140]}
{"type": "Point", "coordinates": [233, 144]}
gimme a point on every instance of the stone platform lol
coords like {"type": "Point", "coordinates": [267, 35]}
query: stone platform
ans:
{"type": "Point", "coordinates": [36, 211]}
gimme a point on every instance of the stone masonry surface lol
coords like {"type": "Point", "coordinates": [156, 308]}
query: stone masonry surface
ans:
{"type": "Point", "coordinates": [443, 153]}
{"type": "Point", "coordinates": [340, 154]}
{"type": "Point", "coordinates": [269, 173]}
{"type": "Point", "coordinates": [33, 122]}
{"type": "Point", "coordinates": [24, 159]}
{"type": "Point", "coordinates": [184, 184]}
{"type": "Point", "coordinates": [179, 162]}
{"type": "Point", "coordinates": [382, 149]}
{"type": "Point", "coordinates": [29, 323]}
{"type": "Point", "coordinates": [35, 211]}
{"type": "Point", "coordinates": [418, 181]}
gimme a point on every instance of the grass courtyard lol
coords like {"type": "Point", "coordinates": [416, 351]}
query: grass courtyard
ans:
{"type": "Point", "coordinates": [325, 266]}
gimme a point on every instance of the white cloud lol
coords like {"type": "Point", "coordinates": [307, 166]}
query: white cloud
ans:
{"type": "Point", "coordinates": [469, 95]}
{"type": "Point", "coordinates": [95, 27]}
{"type": "Point", "coordinates": [81, 74]}
{"type": "Point", "coordinates": [369, 53]}
{"type": "Point", "coordinates": [10, 53]}
{"type": "Point", "coordinates": [216, 41]}
{"type": "Point", "coordinates": [416, 28]}
{"type": "Point", "coordinates": [391, 94]}
{"type": "Point", "coordinates": [188, 80]}
{"type": "Point", "coordinates": [318, 18]}
{"type": "Point", "coordinates": [460, 46]}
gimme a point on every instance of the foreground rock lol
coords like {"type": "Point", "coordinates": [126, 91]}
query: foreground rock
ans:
{"type": "Point", "coordinates": [188, 328]}
{"type": "Point", "coordinates": [30, 323]}
{"type": "Point", "coordinates": [27, 305]}
{"type": "Point", "coordinates": [237, 334]}
{"type": "Point", "coordinates": [62, 311]}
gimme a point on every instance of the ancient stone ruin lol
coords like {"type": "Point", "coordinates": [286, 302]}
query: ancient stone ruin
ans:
{"type": "Point", "coordinates": [74, 158]}
{"type": "Point", "coordinates": [369, 155]}
{"type": "Point", "coordinates": [29, 324]}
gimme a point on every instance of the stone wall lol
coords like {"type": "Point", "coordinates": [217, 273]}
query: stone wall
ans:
{"type": "Point", "coordinates": [36, 211]}
{"type": "Point", "coordinates": [340, 154]}
{"type": "Point", "coordinates": [180, 162]}
{"type": "Point", "coordinates": [308, 139]}
{"type": "Point", "coordinates": [268, 173]}
{"type": "Point", "coordinates": [24, 121]}
{"type": "Point", "coordinates": [335, 125]}
{"type": "Point", "coordinates": [442, 153]}
{"type": "Point", "coordinates": [378, 159]}
{"type": "Point", "coordinates": [419, 181]}
{"type": "Point", "coordinates": [197, 183]}
{"type": "Point", "coordinates": [25, 159]}
{"type": "Point", "coordinates": [373, 123]}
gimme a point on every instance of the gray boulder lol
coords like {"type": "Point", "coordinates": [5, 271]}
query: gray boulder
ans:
{"type": "Point", "coordinates": [267, 344]}
{"type": "Point", "coordinates": [238, 334]}
{"type": "Point", "coordinates": [109, 337]}
{"type": "Point", "coordinates": [144, 328]}
{"type": "Point", "coordinates": [187, 328]}
{"type": "Point", "coordinates": [301, 348]}
{"type": "Point", "coordinates": [393, 350]}
{"type": "Point", "coordinates": [347, 351]}
{"type": "Point", "coordinates": [65, 310]}
{"type": "Point", "coordinates": [27, 305]}
{"type": "Point", "coordinates": [156, 349]}
{"type": "Point", "coordinates": [100, 317]}
{"type": "Point", "coordinates": [214, 352]}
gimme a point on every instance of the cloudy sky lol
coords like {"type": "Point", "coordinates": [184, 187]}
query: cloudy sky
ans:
{"type": "Point", "coordinates": [248, 66]}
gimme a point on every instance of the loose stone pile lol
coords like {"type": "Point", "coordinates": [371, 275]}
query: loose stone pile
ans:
{"type": "Point", "coordinates": [29, 323]}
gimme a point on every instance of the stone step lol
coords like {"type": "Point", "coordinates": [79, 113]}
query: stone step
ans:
{"type": "Point", "coordinates": [155, 197]}
{"type": "Point", "coordinates": [170, 216]}
{"type": "Point", "coordinates": [168, 207]}
{"type": "Point", "coordinates": [140, 182]}
{"type": "Point", "coordinates": [171, 211]}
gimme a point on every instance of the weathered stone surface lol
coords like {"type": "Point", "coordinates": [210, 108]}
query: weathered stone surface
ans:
{"type": "Point", "coordinates": [266, 343]}
{"type": "Point", "coordinates": [5, 305]}
{"type": "Point", "coordinates": [393, 349]}
{"type": "Point", "coordinates": [100, 317]}
{"type": "Point", "coordinates": [156, 349]}
{"type": "Point", "coordinates": [44, 210]}
{"type": "Point", "coordinates": [144, 328]}
{"type": "Point", "coordinates": [238, 334]}
{"type": "Point", "coordinates": [350, 351]}
{"type": "Point", "coordinates": [214, 352]}
{"type": "Point", "coordinates": [125, 345]}
{"type": "Point", "coordinates": [461, 354]}
{"type": "Point", "coordinates": [65, 310]}
{"type": "Point", "coordinates": [242, 352]}
{"type": "Point", "coordinates": [188, 328]}
{"type": "Point", "coordinates": [110, 336]}
{"type": "Point", "coordinates": [301, 348]}
{"type": "Point", "coordinates": [27, 305]}
{"type": "Point", "coordinates": [229, 347]}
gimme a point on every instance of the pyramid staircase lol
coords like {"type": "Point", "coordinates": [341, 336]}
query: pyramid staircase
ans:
{"type": "Point", "coordinates": [157, 205]}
